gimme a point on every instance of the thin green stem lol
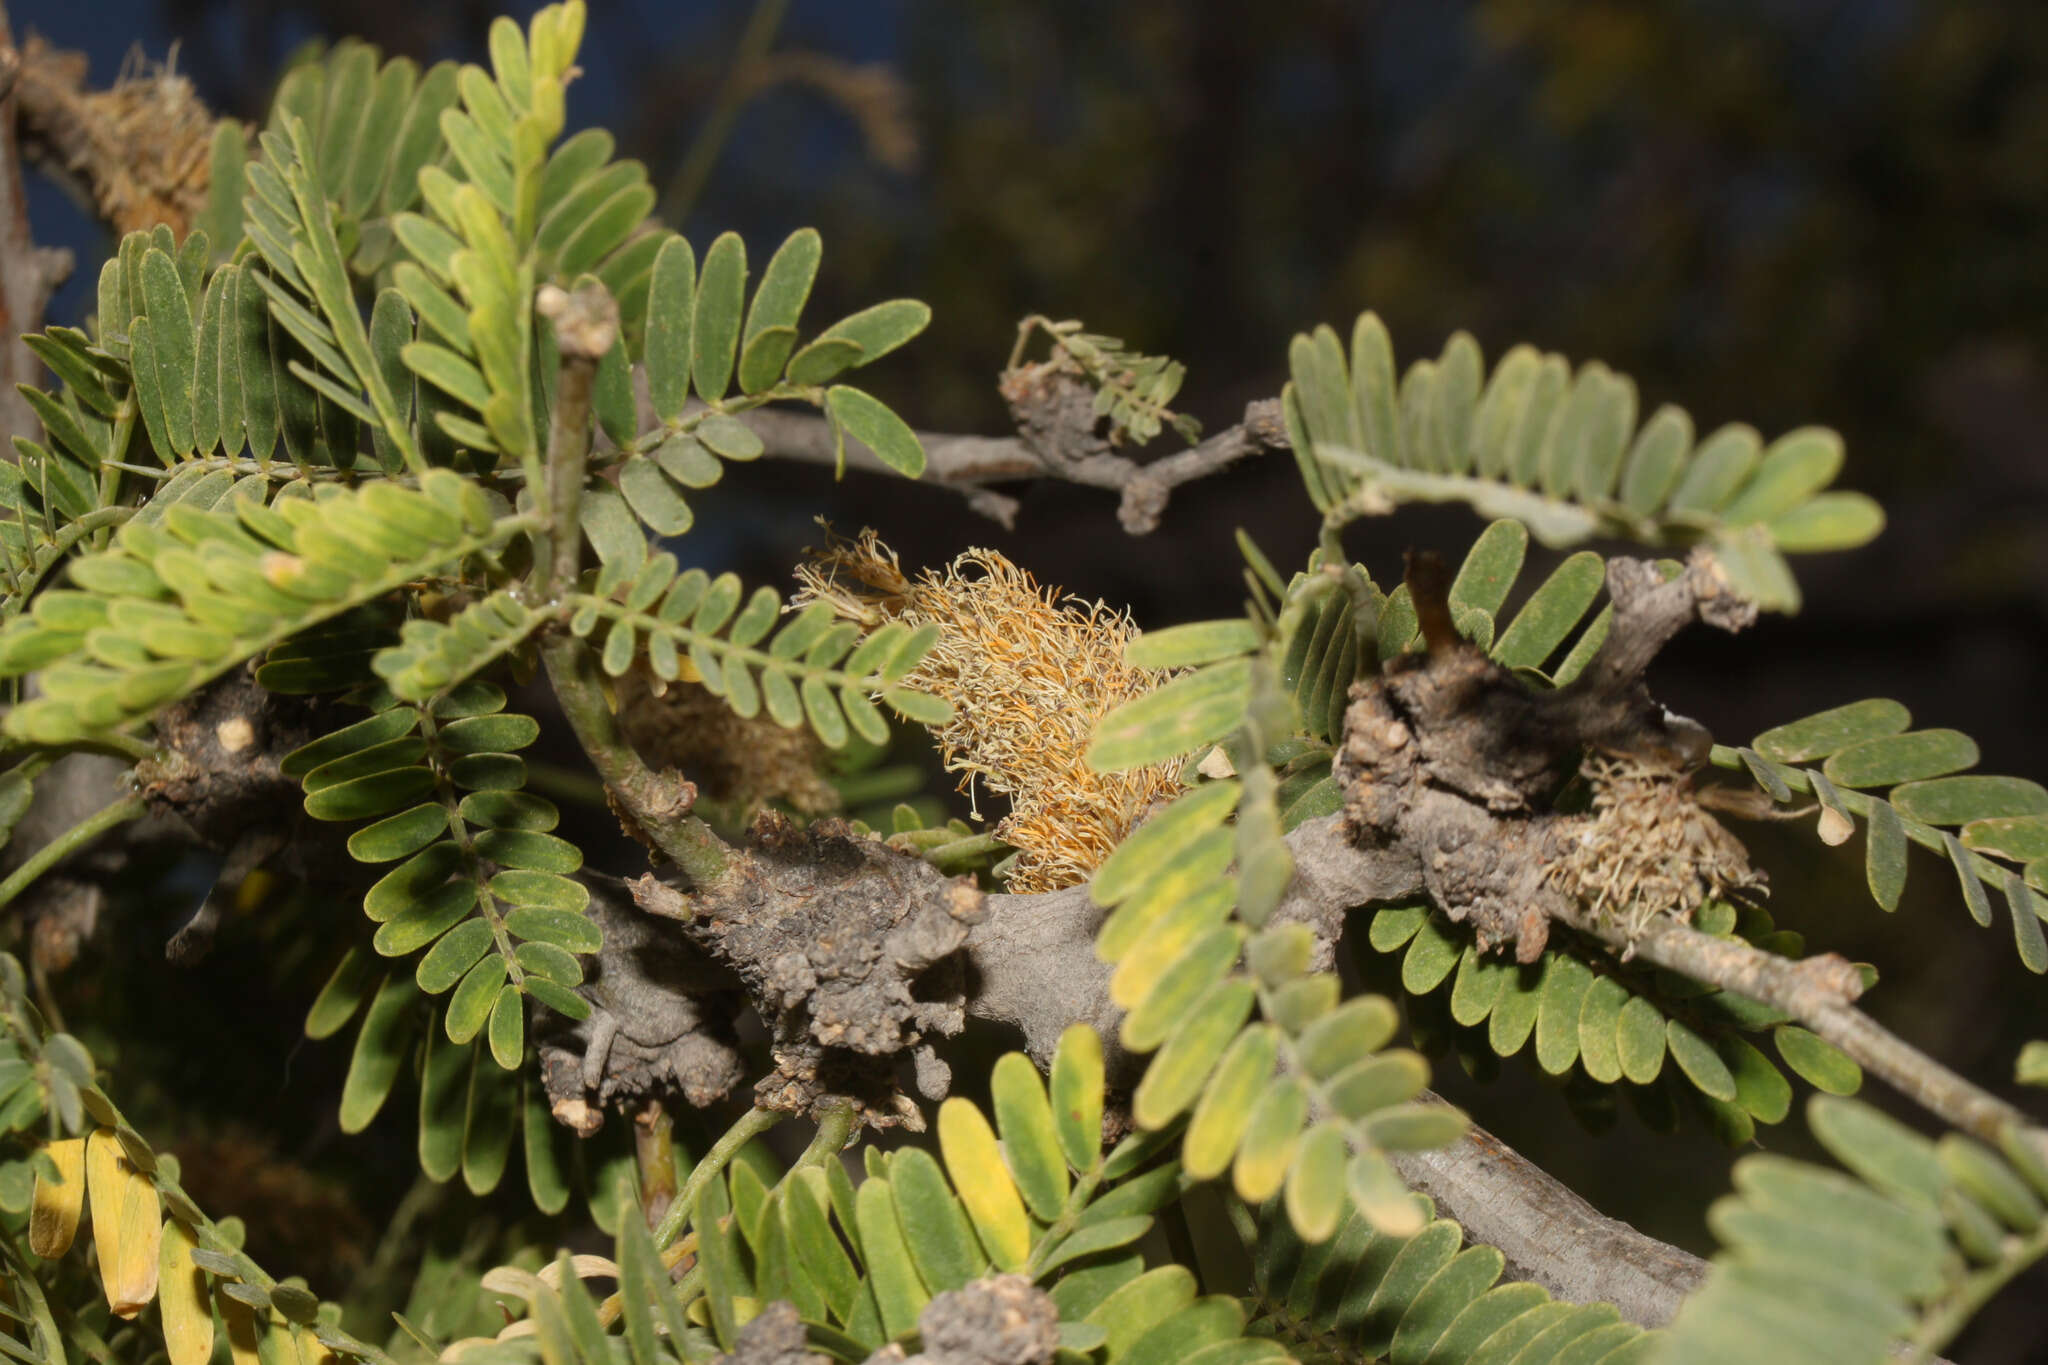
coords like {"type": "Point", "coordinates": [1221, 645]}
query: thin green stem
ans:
{"type": "Point", "coordinates": [117, 449]}
{"type": "Point", "coordinates": [1952, 1314]}
{"type": "Point", "coordinates": [1861, 803]}
{"type": "Point", "coordinates": [122, 746]}
{"type": "Point", "coordinates": [1085, 1185]}
{"type": "Point", "coordinates": [70, 841]}
{"type": "Point", "coordinates": [754, 42]}
{"type": "Point", "coordinates": [751, 1125]}
{"type": "Point", "coordinates": [834, 1128]}
{"type": "Point", "coordinates": [43, 557]}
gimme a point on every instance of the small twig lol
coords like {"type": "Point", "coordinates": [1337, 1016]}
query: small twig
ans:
{"type": "Point", "coordinates": [1547, 1232]}
{"type": "Point", "coordinates": [130, 807]}
{"type": "Point", "coordinates": [1819, 993]}
{"type": "Point", "coordinates": [969, 463]}
{"type": "Point", "coordinates": [586, 324]}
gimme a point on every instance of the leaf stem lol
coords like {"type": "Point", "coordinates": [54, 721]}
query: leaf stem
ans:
{"type": "Point", "coordinates": [751, 1125]}
{"type": "Point", "coordinates": [70, 841]}
{"type": "Point", "coordinates": [1986, 870]}
{"type": "Point", "coordinates": [1951, 1315]}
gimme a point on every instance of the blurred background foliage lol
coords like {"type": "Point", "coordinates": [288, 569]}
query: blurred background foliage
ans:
{"type": "Point", "coordinates": [1776, 211]}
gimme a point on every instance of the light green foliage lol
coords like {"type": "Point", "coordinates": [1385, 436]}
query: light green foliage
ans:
{"type": "Point", "coordinates": [315, 440]}
{"type": "Point", "coordinates": [815, 670]}
{"type": "Point", "coordinates": [1610, 1028]}
{"type": "Point", "coordinates": [50, 1092]}
{"type": "Point", "coordinates": [1560, 452]}
{"type": "Point", "coordinates": [1303, 1099]}
{"type": "Point", "coordinates": [212, 574]}
{"type": "Point", "coordinates": [695, 340]}
{"type": "Point", "coordinates": [1819, 1265]}
{"type": "Point", "coordinates": [1416, 1300]}
{"type": "Point", "coordinates": [477, 883]}
{"type": "Point", "coordinates": [372, 292]}
{"type": "Point", "coordinates": [861, 1261]}
{"type": "Point", "coordinates": [1133, 391]}
{"type": "Point", "coordinates": [1910, 785]}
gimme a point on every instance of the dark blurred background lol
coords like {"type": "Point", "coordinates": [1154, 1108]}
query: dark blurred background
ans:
{"type": "Point", "coordinates": [1774, 211]}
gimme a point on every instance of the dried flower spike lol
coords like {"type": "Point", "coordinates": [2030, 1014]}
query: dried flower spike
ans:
{"type": "Point", "coordinates": [1029, 673]}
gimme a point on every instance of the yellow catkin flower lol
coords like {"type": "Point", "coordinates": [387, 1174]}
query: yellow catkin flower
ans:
{"type": "Point", "coordinates": [1029, 673]}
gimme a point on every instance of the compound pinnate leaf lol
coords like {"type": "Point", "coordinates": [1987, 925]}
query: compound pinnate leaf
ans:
{"type": "Point", "coordinates": [715, 321]}
{"type": "Point", "coordinates": [57, 1204]}
{"type": "Point", "coordinates": [352, 982]}
{"type": "Point", "coordinates": [127, 1224]}
{"type": "Point", "coordinates": [1891, 759]}
{"type": "Point", "coordinates": [1030, 1141]}
{"type": "Point", "coordinates": [564, 928]}
{"type": "Point", "coordinates": [507, 1030]}
{"type": "Point", "coordinates": [1959, 800]}
{"type": "Point", "coordinates": [1179, 1069]}
{"type": "Point", "coordinates": [1640, 1038]}
{"type": "Point", "coordinates": [877, 331]}
{"type": "Point", "coordinates": [1315, 1182]}
{"type": "Point", "coordinates": [1076, 1096]}
{"type": "Point", "coordinates": [475, 995]}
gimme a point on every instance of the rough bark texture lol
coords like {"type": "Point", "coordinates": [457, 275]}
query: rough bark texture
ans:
{"type": "Point", "coordinates": [1549, 1234]}
{"type": "Point", "coordinates": [1000, 1320]}
{"type": "Point", "coordinates": [832, 936]}
{"type": "Point", "coordinates": [860, 956]}
{"type": "Point", "coordinates": [774, 1336]}
{"type": "Point", "coordinates": [136, 154]}
{"type": "Point", "coordinates": [1449, 756]}
{"type": "Point", "coordinates": [661, 1021]}
{"type": "Point", "coordinates": [28, 273]}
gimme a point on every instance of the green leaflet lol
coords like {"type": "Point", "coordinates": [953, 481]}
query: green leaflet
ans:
{"type": "Point", "coordinates": [1868, 745]}
{"type": "Point", "coordinates": [866, 419]}
{"type": "Point", "coordinates": [1548, 448]}
{"type": "Point", "coordinates": [328, 576]}
{"type": "Point", "coordinates": [1820, 1262]}
{"type": "Point", "coordinates": [808, 672]}
{"type": "Point", "coordinates": [1410, 1298]}
{"type": "Point", "coordinates": [1185, 714]}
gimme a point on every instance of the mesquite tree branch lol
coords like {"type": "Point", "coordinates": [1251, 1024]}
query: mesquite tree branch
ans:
{"type": "Point", "coordinates": [1547, 1232]}
{"type": "Point", "coordinates": [971, 462]}
{"type": "Point", "coordinates": [1818, 993]}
